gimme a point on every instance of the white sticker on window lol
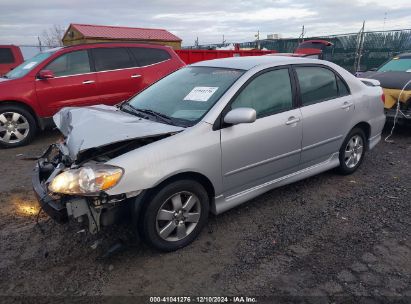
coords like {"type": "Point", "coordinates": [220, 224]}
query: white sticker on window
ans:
{"type": "Point", "coordinates": [29, 65]}
{"type": "Point", "coordinates": [201, 93]}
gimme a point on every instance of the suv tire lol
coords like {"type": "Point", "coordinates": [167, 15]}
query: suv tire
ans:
{"type": "Point", "coordinates": [17, 126]}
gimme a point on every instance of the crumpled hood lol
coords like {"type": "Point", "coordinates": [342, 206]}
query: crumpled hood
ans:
{"type": "Point", "coordinates": [96, 126]}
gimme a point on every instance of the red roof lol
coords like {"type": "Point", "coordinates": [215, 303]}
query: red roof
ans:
{"type": "Point", "coordinates": [121, 32]}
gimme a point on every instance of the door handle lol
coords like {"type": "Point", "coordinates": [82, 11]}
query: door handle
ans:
{"type": "Point", "coordinates": [346, 105]}
{"type": "Point", "coordinates": [88, 81]}
{"type": "Point", "coordinates": [292, 120]}
{"type": "Point", "coordinates": [135, 76]}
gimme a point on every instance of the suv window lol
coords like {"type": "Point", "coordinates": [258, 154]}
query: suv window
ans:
{"type": "Point", "coordinates": [6, 55]}
{"type": "Point", "coordinates": [316, 84]}
{"type": "Point", "coordinates": [70, 64]}
{"type": "Point", "coordinates": [107, 59]}
{"type": "Point", "coordinates": [147, 56]}
{"type": "Point", "coordinates": [268, 93]}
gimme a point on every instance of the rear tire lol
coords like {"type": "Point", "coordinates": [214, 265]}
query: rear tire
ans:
{"type": "Point", "coordinates": [17, 126]}
{"type": "Point", "coordinates": [352, 151]}
{"type": "Point", "coordinates": [175, 215]}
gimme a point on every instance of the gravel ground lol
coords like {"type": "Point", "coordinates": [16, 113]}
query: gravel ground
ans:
{"type": "Point", "coordinates": [327, 238]}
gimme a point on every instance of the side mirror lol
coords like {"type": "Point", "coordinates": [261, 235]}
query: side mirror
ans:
{"type": "Point", "coordinates": [240, 115]}
{"type": "Point", "coordinates": [45, 74]}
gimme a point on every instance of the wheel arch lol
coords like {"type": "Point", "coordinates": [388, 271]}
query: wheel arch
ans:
{"type": "Point", "coordinates": [200, 178]}
{"type": "Point", "coordinates": [366, 127]}
{"type": "Point", "coordinates": [146, 195]}
{"type": "Point", "coordinates": [27, 107]}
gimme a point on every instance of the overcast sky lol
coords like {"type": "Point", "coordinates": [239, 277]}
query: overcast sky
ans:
{"type": "Point", "coordinates": [21, 21]}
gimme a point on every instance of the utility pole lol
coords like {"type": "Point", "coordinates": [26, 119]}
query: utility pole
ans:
{"type": "Point", "coordinates": [383, 28]}
{"type": "Point", "coordinates": [224, 41]}
{"type": "Point", "coordinates": [302, 34]}
{"type": "Point", "coordinates": [196, 43]}
{"type": "Point", "coordinates": [258, 39]}
{"type": "Point", "coordinates": [40, 48]}
{"type": "Point", "coordinates": [360, 45]}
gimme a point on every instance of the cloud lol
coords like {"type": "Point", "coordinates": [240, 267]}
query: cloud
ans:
{"type": "Point", "coordinates": [238, 20]}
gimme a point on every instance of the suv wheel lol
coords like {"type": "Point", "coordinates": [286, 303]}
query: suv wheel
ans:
{"type": "Point", "coordinates": [17, 126]}
{"type": "Point", "coordinates": [175, 215]}
{"type": "Point", "coordinates": [352, 151]}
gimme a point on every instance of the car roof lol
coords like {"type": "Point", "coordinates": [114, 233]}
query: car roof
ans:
{"type": "Point", "coordinates": [249, 62]}
{"type": "Point", "coordinates": [115, 44]}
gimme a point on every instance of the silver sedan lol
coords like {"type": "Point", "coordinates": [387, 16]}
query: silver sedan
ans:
{"type": "Point", "coordinates": [206, 138]}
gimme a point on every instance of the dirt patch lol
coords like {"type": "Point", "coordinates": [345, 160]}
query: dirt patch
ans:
{"type": "Point", "coordinates": [329, 236]}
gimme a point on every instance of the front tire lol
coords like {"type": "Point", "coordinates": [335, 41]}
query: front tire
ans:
{"type": "Point", "coordinates": [352, 151]}
{"type": "Point", "coordinates": [175, 215]}
{"type": "Point", "coordinates": [17, 126]}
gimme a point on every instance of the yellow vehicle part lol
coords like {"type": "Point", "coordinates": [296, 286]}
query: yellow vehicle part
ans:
{"type": "Point", "coordinates": [391, 97]}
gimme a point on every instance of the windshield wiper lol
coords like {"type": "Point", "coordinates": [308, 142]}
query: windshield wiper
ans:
{"type": "Point", "coordinates": [126, 107]}
{"type": "Point", "coordinates": [5, 76]}
{"type": "Point", "coordinates": [158, 115]}
{"type": "Point", "coordinates": [145, 113]}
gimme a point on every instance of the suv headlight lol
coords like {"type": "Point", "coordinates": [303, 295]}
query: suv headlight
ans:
{"type": "Point", "coordinates": [89, 179]}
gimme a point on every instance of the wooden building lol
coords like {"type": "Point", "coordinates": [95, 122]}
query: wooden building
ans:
{"type": "Point", "coordinates": [87, 33]}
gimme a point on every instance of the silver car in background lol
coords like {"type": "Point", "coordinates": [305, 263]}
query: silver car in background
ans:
{"type": "Point", "coordinates": [206, 138]}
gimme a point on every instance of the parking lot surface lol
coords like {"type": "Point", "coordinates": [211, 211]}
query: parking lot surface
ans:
{"type": "Point", "coordinates": [329, 236]}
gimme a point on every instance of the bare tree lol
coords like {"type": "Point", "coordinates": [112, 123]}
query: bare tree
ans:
{"type": "Point", "coordinates": [53, 36]}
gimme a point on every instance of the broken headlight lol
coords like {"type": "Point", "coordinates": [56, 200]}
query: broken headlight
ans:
{"type": "Point", "coordinates": [87, 180]}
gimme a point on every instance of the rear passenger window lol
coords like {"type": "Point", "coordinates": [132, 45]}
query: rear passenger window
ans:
{"type": "Point", "coordinates": [268, 93]}
{"type": "Point", "coordinates": [147, 56]}
{"type": "Point", "coordinates": [70, 64]}
{"type": "Point", "coordinates": [6, 55]}
{"type": "Point", "coordinates": [112, 59]}
{"type": "Point", "coordinates": [316, 84]}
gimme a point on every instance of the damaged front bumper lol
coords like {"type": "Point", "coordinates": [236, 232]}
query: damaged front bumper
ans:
{"type": "Point", "coordinates": [94, 211]}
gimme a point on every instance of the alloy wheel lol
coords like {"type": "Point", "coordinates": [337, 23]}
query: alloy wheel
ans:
{"type": "Point", "coordinates": [353, 151]}
{"type": "Point", "coordinates": [14, 127]}
{"type": "Point", "coordinates": [178, 216]}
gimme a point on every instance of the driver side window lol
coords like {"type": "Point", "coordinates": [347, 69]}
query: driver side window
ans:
{"type": "Point", "coordinates": [70, 64]}
{"type": "Point", "coordinates": [268, 93]}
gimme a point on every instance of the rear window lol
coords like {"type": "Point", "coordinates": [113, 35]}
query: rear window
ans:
{"type": "Point", "coordinates": [148, 56]}
{"type": "Point", "coordinates": [6, 56]}
{"type": "Point", "coordinates": [112, 59]}
{"type": "Point", "coordinates": [316, 84]}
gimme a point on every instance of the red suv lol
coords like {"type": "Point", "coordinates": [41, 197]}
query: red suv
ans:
{"type": "Point", "coordinates": [81, 75]}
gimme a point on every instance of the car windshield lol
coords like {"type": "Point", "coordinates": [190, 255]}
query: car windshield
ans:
{"type": "Point", "coordinates": [397, 65]}
{"type": "Point", "coordinates": [28, 65]}
{"type": "Point", "coordinates": [186, 95]}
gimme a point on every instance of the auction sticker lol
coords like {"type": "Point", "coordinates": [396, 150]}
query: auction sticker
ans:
{"type": "Point", "coordinates": [201, 93]}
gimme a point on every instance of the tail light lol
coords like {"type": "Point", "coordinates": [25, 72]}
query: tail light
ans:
{"type": "Point", "coordinates": [383, 98]}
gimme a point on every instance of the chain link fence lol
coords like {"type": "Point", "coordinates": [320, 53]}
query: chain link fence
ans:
{"type": "Point", "coordinates": [377, 47]}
